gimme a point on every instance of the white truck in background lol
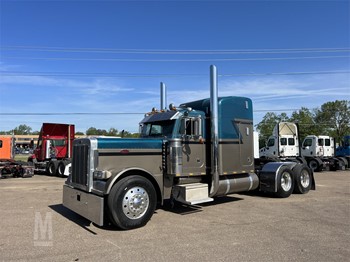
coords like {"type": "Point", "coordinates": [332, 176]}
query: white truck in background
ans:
{"type": "Point", "coordinates": [317, 151]}
{"type": "Point", "coordinates": [322, 147]}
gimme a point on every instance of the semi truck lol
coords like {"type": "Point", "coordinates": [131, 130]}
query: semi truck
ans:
{"type": "Point", "coordinates": [9, 167]}
{"type": "Point", "coordinates": [191, 154]}
{"type": "Point", "coordinates": [317, 151]}
{"type": "Point", "coordinates": [323, 148]}
{"type": "Point", "coordinates": [54, 148]}
{"type": "Point", "coordinates": [284, 145]}
{"type": "Point", "coordinates": [7, 147]}
{"type": "Point", "coordinates": [343, 150]}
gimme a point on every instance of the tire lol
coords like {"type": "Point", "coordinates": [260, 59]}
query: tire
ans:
{"type": "Point", "coordinates": [313, 164]}
{"type": "Point", "coordinates": [301, 160]}
{"type": "Point", "coordinates": [345, 161]}
{"type": "Point", "coordinates": [302, 179]}
{"type": "Point", "coordinates": [52, 168]}
{"type": "Point", "coordinates": [60, 169]}
{"type": "Point", "coordinates": [285, 182]}
{"type": "Point", "coordinates": [342, 163]}
{"type": "Point", "coordinates": [132, 202]}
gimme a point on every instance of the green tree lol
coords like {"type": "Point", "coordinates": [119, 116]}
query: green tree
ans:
{"type": "Point", "coordinates": [112, 132]}
{"type": "Point", "coordinates": [334, 118]}
{"type": "Point", "coordinates": [265, 127]}
{"type": "Point", "coordinates": [23, 130]}
{"type": "Point", "coordinates": [6, 132]}
{"type": "Point", "coordinates": [92, 131]}
{"type": "Point", "coordinates": [79, 133]}
{"type": "Point", "coordinates": [306, 120]}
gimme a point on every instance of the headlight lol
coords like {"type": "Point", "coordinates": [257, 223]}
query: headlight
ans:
{"type": "Point", "coordinates": [102, 174]}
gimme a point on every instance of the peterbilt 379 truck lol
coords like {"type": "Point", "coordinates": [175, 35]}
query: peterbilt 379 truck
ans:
{"type": "Point", "coordinates": [191, 154]}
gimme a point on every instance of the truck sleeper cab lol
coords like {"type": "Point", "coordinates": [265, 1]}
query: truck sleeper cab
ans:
{"type": "Point", "coordinates": [179, 156]}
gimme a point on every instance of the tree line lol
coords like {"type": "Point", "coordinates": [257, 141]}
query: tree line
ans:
{"type": "Point", "coordinates": [331, 119]}
{"type": "Point", "coordinates": [92, 131]}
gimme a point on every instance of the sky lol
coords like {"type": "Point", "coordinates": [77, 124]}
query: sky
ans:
{"type": "Point", "coordinates": [100, 63]}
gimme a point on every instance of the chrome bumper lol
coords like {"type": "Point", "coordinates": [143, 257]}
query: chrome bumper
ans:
{"type": "Point", "coordinates": [87, 205]}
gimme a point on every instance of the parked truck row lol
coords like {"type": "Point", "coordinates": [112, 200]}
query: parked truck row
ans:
{"type": "Point", "coordinates": [319, 152]}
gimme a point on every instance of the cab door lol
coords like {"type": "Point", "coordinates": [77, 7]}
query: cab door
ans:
{"type": "Point", "coordinates": [193, 147]}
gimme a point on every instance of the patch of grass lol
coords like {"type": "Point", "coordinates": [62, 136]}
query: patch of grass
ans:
{"type": "Point", "coordinates": [22, 157]}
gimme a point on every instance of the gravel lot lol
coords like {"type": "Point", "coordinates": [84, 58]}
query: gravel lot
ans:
{"type": "Point", "coordinates": [241, 227]}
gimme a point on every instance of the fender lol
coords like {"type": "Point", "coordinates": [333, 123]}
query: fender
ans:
{"type": "Point", "coordinates": [268, 175]}
{"type": "Point", "coordinates": [157, 181]}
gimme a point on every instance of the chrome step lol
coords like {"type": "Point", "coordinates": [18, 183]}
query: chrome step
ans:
{"type": "Point", "coordinates": [192, 194]}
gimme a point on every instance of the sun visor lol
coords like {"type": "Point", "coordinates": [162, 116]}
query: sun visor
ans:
{"type": "Point", "coordinates": [169, 115]}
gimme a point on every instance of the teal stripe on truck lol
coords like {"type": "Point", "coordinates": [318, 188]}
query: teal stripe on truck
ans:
{"type": "Point", "coordinates": [121, 143]}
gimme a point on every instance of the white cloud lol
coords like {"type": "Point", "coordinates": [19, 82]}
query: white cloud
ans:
{"type": "Point", "coordinates": [92, 87]}
{"type": "Point", "coordinates": [109, 95]}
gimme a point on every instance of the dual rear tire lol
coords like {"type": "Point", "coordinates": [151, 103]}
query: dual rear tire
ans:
{"type": "Point", "coordinates": [56, 168]}
{"type": "Point", "coordinates": [297, 180]}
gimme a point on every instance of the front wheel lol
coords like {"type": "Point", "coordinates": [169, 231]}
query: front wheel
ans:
{"type": "Point", "coordinates": [285, 182]}
{"type": "Point", "coordinates": [132, 202]}
{"type": "Point", "coordinates": [314, 165]}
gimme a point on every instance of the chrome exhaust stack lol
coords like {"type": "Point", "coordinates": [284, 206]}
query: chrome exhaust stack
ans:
{"type": "Point", "coordinates": [214, 112]}
{"type": "Point", "coordinates": [162, 96]}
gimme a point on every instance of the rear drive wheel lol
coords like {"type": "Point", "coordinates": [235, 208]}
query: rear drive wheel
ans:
{"type": "Point", "coordinates": [60, 169]}
{"type": "Point", "coordinates": [285, 182]}
{"type": "Point", "coordinates": [51, 169]}
{"type": "Point", "coordinates": [132, 202]}
{"type": "Point", "coordinates": [303, 179]}
{"type": "Point", "coordinates": [301, 160]}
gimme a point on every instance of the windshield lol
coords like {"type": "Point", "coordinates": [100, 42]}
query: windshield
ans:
{"type": "Point", "coordinates": [158, 129]}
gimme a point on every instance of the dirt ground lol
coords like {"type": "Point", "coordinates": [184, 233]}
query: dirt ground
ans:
{"type": "Point", "coordinates": [240, 227]}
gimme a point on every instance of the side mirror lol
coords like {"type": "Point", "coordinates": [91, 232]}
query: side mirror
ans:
{"type": "Point", "coordinates": [197, 126]}
{"type": "Point", "coordinates": [183, 126]}
{"type": "Point", "coordinates": [191, 128]}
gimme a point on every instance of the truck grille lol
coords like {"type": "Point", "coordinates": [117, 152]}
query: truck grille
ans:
{"type": "Point", "coordinates": [80, 164]}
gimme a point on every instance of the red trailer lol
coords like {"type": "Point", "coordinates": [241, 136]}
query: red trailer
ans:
{"type": "Point", "coordinates": [54, 148]}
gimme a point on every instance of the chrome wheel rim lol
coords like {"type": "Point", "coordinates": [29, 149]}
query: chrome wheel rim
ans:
{"type": "Point", "coordinates": [135, 203]}
{"type": "Point", "coordinates": [286, 181]}
{"type": "Point", "coordinates": [305, 178]}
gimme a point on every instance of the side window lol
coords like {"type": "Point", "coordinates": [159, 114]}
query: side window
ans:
{"type": "Point", "coordinates": [59, 142]}
{"type": "Point", "coordinates": [291, 141]}
{"type": "Point", "coordinates": [188, 127]}
{"type": "Point", "coordinates": [271, 142]}
{"type": "Point", "coordinates": [327, 142]}
{"type": "Point", "coordinates": [347, 142]}
{"type": "Point", "coordinates": [156, 130]}
{"type": "Point", "coordinates": [0, 143]}
{"type": "Point", "coordinates": [320, 142]}
{"type": "Point", "coordinates": [307, 142]}
{"type": "Point", "coordinates": [283, 141]}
